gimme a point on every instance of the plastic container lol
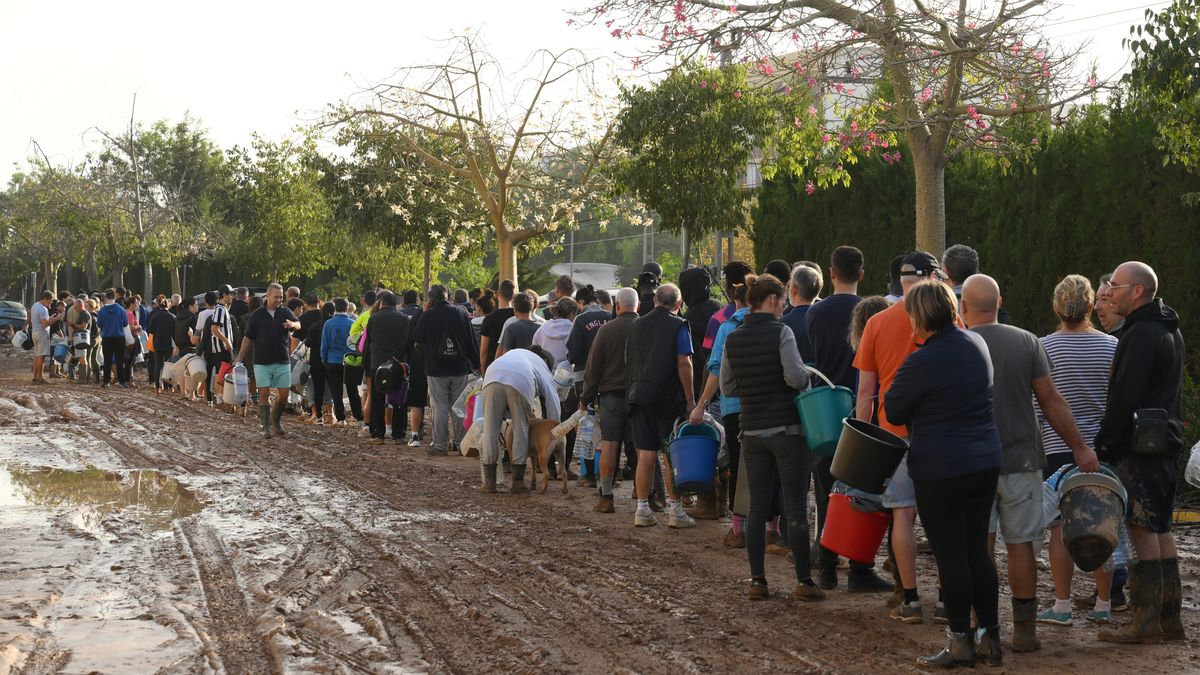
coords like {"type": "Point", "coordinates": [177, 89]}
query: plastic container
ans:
{"type": "Point", "coordinates": [851, 532]}
{"type": "Point", "coordinates": [822, 410]}
{"type": "Point", "coordinates": [60, 350]}
{"type": "Point", "coordinates": [241, 384]}
{"type": "Point", "coordinates": [866, 455]}
{"type": "Point", "coordinates": [195, 365]}
{"type": "Point", "coordinates": [693, 451]}
{"type": "Point", "coordinates": [168, 371]}
{"type": "Point", "coordinates": [229, 391]}
{"type": "Point", "coordinates": [1092, 506]}
{"type": "Point", "coordinates": [585, 449]}
{"type": "Point", "coordinates": [1192, 473]}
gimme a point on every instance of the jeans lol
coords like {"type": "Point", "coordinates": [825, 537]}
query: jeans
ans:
{"type": "Point", "coordinates": [955, 512]}
{"type": "Point", "coordinates": [443, 392]}
{"type": "Point", "coordinates": [399, 418]}
{"type": "Point", "coordinates": [782, 456]}
{"type": "Point", "coordinates": [127, 367]}
{"type": "Point", "coordinates": [114, 356]}
{"type": "Point", "coordinates": [500, 401]}
{"type": "Point", "coordinates": [349, 377]}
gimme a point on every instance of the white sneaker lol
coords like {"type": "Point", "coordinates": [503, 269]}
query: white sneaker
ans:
{"type": "Point", "coordinates": [677, 517]}
{"type": "Point", "coordinates": [413, 442]}
{"type": "Point", "coordinates": [644, 518]}
{"type": "Point", "coordinates": [364, 432]}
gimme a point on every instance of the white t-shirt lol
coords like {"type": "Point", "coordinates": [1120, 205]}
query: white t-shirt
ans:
{"type": "Point", "coordinates": [37, 314]}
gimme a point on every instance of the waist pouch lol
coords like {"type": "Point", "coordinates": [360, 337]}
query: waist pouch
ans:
{"type": "Point", "coordinates": [1150, 432]}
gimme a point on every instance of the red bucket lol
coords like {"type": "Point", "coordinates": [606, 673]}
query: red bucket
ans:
{"type": "Point", "coordinates": [851, 532]}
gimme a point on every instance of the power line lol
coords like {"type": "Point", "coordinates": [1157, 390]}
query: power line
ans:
{"type": "Point", "coordinates": [1096, 16]}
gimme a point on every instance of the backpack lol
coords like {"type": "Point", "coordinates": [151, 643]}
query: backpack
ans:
{"type": "Point", "coordinates": [446, 349]}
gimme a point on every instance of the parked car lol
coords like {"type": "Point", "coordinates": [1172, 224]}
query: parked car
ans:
{"type": "Point", "coordinates": [13, 314]}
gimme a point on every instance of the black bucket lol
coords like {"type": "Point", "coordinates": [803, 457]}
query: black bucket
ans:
{"type": "Point", "coordinates": [1092, 506]}
{"type": "Point", "coordinates": [866, 455]}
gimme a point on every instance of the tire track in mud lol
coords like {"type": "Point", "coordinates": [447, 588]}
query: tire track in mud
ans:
{"type": "Point", "coordinates": [239, 645]}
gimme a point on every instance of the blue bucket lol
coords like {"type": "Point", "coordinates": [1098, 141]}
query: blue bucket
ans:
{"type": "Point", "coordinates": [693, 451]}
{"type": "Point", "coordinates": [60, 352]}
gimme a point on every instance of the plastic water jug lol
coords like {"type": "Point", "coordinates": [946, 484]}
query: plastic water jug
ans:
{"type": "Point", "coordinates": [241, 384]}
{"type": "Point", "coordinates": [583, 437]}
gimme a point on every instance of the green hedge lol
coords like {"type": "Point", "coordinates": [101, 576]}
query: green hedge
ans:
{"type": "Point", "coordinates": [1095, 194]}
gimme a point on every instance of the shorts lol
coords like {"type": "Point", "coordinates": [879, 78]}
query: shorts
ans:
{"type": "Point", "coordinates": [1150, 482]}
{"type": "Point", "coordinates": [276, 375]}
{"type": "Point", "coordinates": [41, 345]}
{"type": "Point", "coordinates": [1055, 462]}
{"type": "Point", "coordinates": [614, 427]}
{"type": "Point", "coordinates": [900, 492]}
{"type": "Point", "coordinates": [1019, 510]}
{"type": "Point", "coordinates": [650, 428]}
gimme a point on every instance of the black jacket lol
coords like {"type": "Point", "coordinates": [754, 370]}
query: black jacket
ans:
{"type": "Point", "coordinates": [606, 372]}
{"type": "Point", "coordinates": [161, 325]}
{"type": "Point", "coordinates": [446, 322]}
{"type": "Point", "coordinates": [583, 334]}
{"type": "Point", "coordinates": [389, 333]}
{"type": "Point", "coordinates": [1147, 372]}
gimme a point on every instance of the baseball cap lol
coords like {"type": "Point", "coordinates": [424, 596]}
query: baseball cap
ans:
{"type": "Point", "coordinates": [923, 264]}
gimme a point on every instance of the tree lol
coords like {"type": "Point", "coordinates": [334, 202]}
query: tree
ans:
{"type": "Point", "coordinates": [278, 211]}
{"type": "Point", "coordinates": [1165, 80]}
{"type": "Point", "coordinates": [687, 142]}
{"type": "Point", "coordinates": [947, 76]}
{"type": "Point", "coordinates": [530, 160]}
{"type": "Point", "coordinates": [386, 195]}
{"type": "Point", "coordinates": [43, 226]}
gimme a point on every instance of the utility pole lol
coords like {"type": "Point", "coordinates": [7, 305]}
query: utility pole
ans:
{"type": "Point", "coordinates": [571, 234]}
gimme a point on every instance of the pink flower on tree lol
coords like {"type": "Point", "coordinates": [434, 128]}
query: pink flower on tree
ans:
{"type": "Point", "coordinates": [812, 111]}
{"type": "Point", "coordinates": [825, 138]}
{"type": "Point", "coordinates": [767, 70]}
{"type": "Point", "coordinates": [1033, 141]}
{"type": "Point", "coordinates": [839, 86]}
{"type": "Point", "coordinates": [1092, 82]}
{"type": "Point", "coordinates": [925, 95]}
{"type": "Point", "coordinates": [703, 84]}
{"type": "Point", "coordinates": [733, 9]}
{"type": "Point", "coordinates": [737, 94]}
{"type": "Point", "coordinates": [809, 188]}
{"type": "Point", "coordinates": [787, 89]}
{"type": "Point", "coordinates": [796, 121]}
{"type": "Point", "coordinates": [972, 112]}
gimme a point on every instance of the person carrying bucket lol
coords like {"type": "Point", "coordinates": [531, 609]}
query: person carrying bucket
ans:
{"type": "Point", "coordinates": [942, 393]}
{"type": "Point", "coordinates": [1141, 435]}
{"type": "Point", "coordinates": [761, 365]}
{"type": "Point", "coordinates": [1022, 375]}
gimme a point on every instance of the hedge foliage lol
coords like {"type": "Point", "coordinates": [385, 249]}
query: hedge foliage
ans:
{"type": "Point", "coordinates": [1096, 194]}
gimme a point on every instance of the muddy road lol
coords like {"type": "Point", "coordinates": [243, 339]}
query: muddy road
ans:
{"type": "Point", "coordinates": [146, 534]}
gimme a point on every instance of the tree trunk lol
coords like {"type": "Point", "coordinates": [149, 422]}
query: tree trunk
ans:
{"type": "Point", "coordinates": [93, 277]}
{"type": "Point", "coordinates": [428, 266]}
{"type": "Point", "coordinates": [930, 170]}
{"type": "Point", "coordinates": [147, 281]}
{"type": "Point", "coordinates": [176, 287]}
{"type": "Point", "coordinates": [68, 276]}
{"type": "Point", "coordinates": [508, 260]}
{"type": "Point", "coordinates": [50, 275]}
{"type": "Point", "coordinates": [118, 273]}
{"type": "Point", "coordinates": [685, 246]}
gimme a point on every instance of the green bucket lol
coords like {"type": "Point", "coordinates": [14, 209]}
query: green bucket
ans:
{"type": "Point", "coordinates": [822, 410]}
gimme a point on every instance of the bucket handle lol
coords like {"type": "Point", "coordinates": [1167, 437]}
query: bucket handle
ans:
{"type": "Point", "coordinates": [820, 375]}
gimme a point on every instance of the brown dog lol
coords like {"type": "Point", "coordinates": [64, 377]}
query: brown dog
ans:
{"type": "Point", "coordinates": [542, 444]}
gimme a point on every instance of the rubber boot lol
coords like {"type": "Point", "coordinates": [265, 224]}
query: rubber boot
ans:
{"type": "Point", "coordinates": [987, 646]}
{"type": "Point", "coordinates": [489, 479]}
{"type": "Point", "coordinates": [706, 506]}
{"type": "Point", "coordinates": [276, 416]}
{"type": "Point", "coordinates": [518, 480]}
{"type": "Point", "coordinates": [1146, 597]}
{"type": "Point", "coordinates": [1172, 601]}
{"type": "Point", "coordinates": [264, 412]}
{"type": "Point", "coordinates": [604, 504]}
{"type": "Point", "coordinates": [959, 651]}
{"type": "Point", "coordinates": [723, 495]}
{"type": "Point", "coordinates": [1025, 637]}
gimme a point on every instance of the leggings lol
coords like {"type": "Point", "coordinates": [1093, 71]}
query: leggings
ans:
{"type": "Point", "coordinates": [114, 357]}
{"type": "Point", "coordinates": [955, 512]}
{"type": "Point", "coordinates": [158, 358]}
{"type": "Point", "coordinates": [733, 445]}
{"type": "Point", "coordinates": [782, 457]}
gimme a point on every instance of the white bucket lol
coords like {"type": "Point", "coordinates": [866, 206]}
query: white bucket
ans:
{"type": "Point", "coordinates": [195, 366]}
{"type": "Point", "coordinates": [229, 393]}
{"type": "Point", "coordinates": [168, 372]}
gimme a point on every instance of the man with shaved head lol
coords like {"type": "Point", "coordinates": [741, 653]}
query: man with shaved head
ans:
{"type": "Point", "coordinates": [1141, 435]}
{"type": "Point", "coordinates": [1022, 373]}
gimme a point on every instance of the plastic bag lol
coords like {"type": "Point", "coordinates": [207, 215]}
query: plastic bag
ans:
{"type": "Point", "coordinates": [474, 385]}
{"type": "Point", "coordinates": [1123, 555]}
{"type": "Point", "coordinates": [860, 500]}
{"type": "Point", "coordinates": [1192, 472]}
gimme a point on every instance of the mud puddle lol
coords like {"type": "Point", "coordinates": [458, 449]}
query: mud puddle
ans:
{"type": "Point", "coordinates": [86, 497]}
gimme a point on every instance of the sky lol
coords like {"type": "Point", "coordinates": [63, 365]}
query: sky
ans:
{"type": "Point", "coordinates": [266, 66]}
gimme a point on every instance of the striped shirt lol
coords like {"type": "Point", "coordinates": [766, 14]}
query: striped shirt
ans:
{"type": "Point", "coordinates": [220, 321]}
{"type": "Point", "coordinates": [1080, 365]}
